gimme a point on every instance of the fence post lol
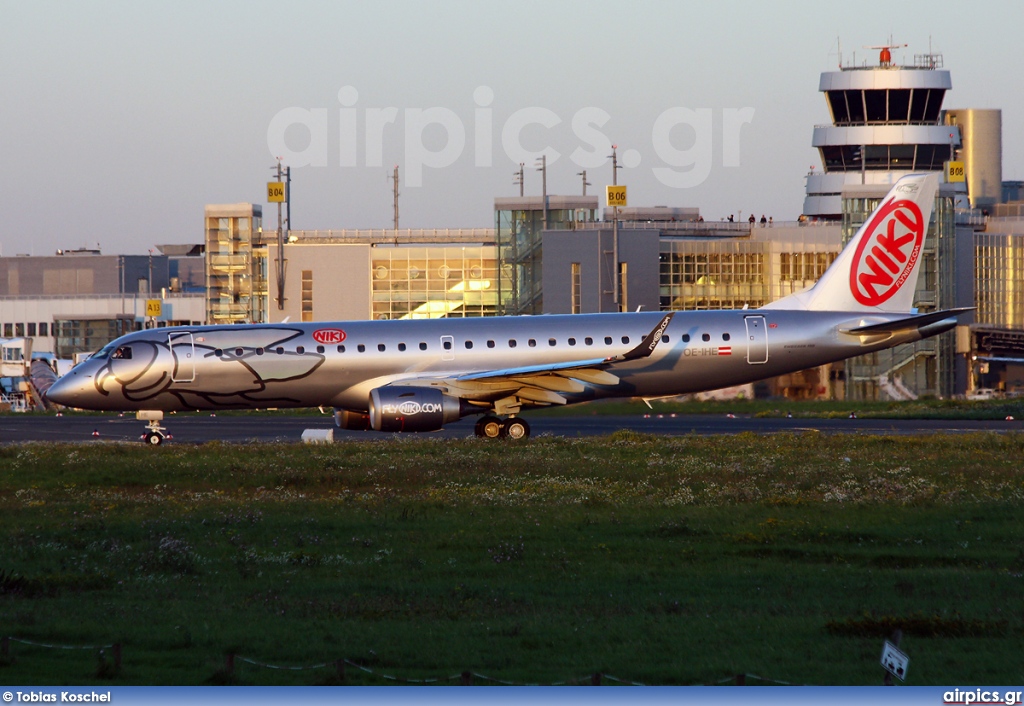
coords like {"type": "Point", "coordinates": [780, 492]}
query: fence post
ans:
{"type": "Point", "coordinates": [229, 663]}
{"type": "Point", "coordinates": [339, 667]}
{"type": "Point", "coordinates": [741, 680]}
{"type": "Point", "coordinates": [466, 679]}
{"type": "Point", "coordinates": [595, 679]}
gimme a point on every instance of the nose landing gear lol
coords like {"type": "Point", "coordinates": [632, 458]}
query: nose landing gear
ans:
{"type": "Point", "coordinates": [154, 434]}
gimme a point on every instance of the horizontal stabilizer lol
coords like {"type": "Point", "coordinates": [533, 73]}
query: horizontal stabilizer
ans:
{"type": "Point", "coordinates": [910, 323]}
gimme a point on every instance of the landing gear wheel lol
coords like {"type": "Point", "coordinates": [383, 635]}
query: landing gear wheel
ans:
{"type": "Point", "coordinates": [515, 428]}
{"type": "Point", "coordinates": [154, 438]}
{"type": "Point", "coordinates": [488, 427]}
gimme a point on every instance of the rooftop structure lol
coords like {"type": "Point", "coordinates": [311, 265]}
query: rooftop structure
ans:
{"type": "Point", "coordinates": [887, 122]}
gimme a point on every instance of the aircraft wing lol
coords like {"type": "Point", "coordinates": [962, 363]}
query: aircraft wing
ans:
{"type": "Point", "coordinates": [543, 383]}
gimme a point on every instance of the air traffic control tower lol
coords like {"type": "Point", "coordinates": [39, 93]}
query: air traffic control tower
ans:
{"type": "Point", "coordinates": [887, 122]}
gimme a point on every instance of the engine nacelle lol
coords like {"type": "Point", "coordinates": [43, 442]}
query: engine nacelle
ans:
{"type": "Point", "coordinates": [412, 409]}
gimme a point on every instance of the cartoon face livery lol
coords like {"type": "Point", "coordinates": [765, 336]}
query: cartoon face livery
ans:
{"type": "Point", "coordinates": [418, 375]}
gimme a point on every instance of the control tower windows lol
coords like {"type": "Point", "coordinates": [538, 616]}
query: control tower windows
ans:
{"type": "Point", "coordinates": [876, 106]}
{"type": "Point", "coordinates": [892, 106]}
{"type": "Point", "coordinates": [899, 106]}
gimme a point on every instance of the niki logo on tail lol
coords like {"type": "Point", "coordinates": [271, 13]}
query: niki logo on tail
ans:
{"type": "Point", "coordinates": [887, 254]}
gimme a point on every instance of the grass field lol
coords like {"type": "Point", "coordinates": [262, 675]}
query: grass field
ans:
{"type": "Point", "coordinates": [656, 560]}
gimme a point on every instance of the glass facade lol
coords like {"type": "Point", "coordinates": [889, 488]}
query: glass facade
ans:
{"type": "Point", "coordinates": [436, 282]}
{"type": "Point", "coordinates": [89, 335]}
{"type": "Point", "coordinates": [732, 273]}
{"type": "Point", "coordinates": [925, 367]}
{"type": "Point", "coordinates": [999, 280]}
{"type": "Point", "coordinates": [520, 228]}
{"type": "Point", "coordinates": [236, 265]}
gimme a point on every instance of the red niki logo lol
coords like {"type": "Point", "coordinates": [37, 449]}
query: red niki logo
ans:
{"type": "Point", "coordinates": [329, 335]}
{"type": "Point", "coordinates": [888, 252]}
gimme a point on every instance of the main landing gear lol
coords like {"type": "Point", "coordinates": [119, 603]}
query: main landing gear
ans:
{"type": "Point", "coordinates": [491, 427]}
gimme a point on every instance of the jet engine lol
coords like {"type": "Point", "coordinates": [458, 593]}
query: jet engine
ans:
{"type": "Point", "coordinates": [412, 409]}
{"type": "Point", "coordinates": [347, 419]}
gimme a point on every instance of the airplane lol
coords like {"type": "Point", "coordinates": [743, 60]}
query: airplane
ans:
{"type": "Point", "coordinates": [419, 375]}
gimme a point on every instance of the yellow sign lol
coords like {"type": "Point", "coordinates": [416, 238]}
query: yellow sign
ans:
{"type": "Point", "coordinates": [154, 307]}
{"type": "Point", "coordinates": [955, 172]}
{"type": "Point", "coordinates": [616, 195]}
{"type": "Point", "coordinates": [275, 191]}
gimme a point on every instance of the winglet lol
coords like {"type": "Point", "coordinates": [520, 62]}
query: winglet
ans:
{"type": "Point", "coordinates": [647, 345]}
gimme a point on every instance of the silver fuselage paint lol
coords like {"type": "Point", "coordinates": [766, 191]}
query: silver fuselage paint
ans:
{"type": "Point", "coordinates": [304, 365]}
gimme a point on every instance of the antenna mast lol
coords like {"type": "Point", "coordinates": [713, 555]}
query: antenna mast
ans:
{"type": "Point", "coordinates": [394, 190]}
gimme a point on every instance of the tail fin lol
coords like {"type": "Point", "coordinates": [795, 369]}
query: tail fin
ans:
{"type": "Point", "coordinates": [877, 270]}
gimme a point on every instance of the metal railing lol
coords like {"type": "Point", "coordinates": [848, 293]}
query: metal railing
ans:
{"type": "Point", "coordinates": [132, 296]}
{"type": "Point", "coordinates": [487, 236]}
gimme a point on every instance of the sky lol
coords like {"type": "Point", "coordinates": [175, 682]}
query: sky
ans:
{"type": "Point", "coordinates": [120, 121]}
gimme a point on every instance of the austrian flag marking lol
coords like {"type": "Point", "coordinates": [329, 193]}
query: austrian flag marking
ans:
{"type": "Point", "coordinates": [725, 350]}
{"type": "Point", "coordinates": [888, 252]}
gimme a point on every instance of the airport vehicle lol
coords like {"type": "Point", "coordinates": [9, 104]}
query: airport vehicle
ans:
{"type": "Point", "coordinates": [418, 375]}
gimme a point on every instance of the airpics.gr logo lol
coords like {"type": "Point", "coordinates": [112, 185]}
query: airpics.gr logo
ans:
{"type": "Point", "coordinates": [329, 335]}
{"type": "Point", "coordinates": [888, 252]}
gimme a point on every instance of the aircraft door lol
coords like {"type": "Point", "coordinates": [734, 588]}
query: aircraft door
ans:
{"type": "Point", "coordinates": [183, 357]}
{"type": "Point", "coordinates": [757, 339]}
{"type": "Point", "coordinates": [447, 348]}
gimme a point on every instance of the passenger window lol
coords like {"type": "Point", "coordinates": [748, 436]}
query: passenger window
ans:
{"type": "Point", "coordinates": [469, 344]}
{"type": "Point", "coordinates": [607, 340]}
{"type": "Point", "coordinates": [341, 349]}
{"type": "Point", "coordinates": [625, 339]}
{"type": "Point", "coordinates": [361, 348]}
{"type": "Point", "coordinates": [123, 353]}
{"type": "Point", "coordinates": [664, 339]}
{"type": "Point", "coordinates": [725, 337]}
{"type": "Point", "coordinates": [280, 351]}
{"type": "Point", "coordinates": [381, 347]}
{"type": "Point", "coordinates": [447, 345]}
{"type": "Point", "coordinates": [589, 341]}
{"type": "Point", "coordinates": [686, 338]}
{"type": "Point", "coordinates": [552, 342]}
{"type": "Point", "coordinates": [532, 343]}
{"type": "Point", "coordinates": [705, 337]}
{"type": "Point", "coordinates": [572, 341]}
{"type": "Point", "coordinates": [401, 346]}
{"type": "Point", "coordinates": [320, 349]}
{"type": "Point", "coordinates": [298, 349]}
{"type": "Point", "coordinates": [423, 346]}
{"type": "Point", "coordinates": [259, 351]}
{"type": "Point", "coordinates": [490, 344]}
{"type": "Point", "coordinates": [511, 343]}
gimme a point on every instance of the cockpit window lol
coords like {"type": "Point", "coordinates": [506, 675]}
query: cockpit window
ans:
{"type": "Point", "coordinates": [122, 353]}
{"type": "Point", "coordinates": [104, 353]}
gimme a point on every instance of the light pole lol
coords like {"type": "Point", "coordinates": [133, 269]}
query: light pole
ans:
{"type": "Point", "coordinates": [615, 232]}
{"type": "Point", "coordinates": [543, 169]}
